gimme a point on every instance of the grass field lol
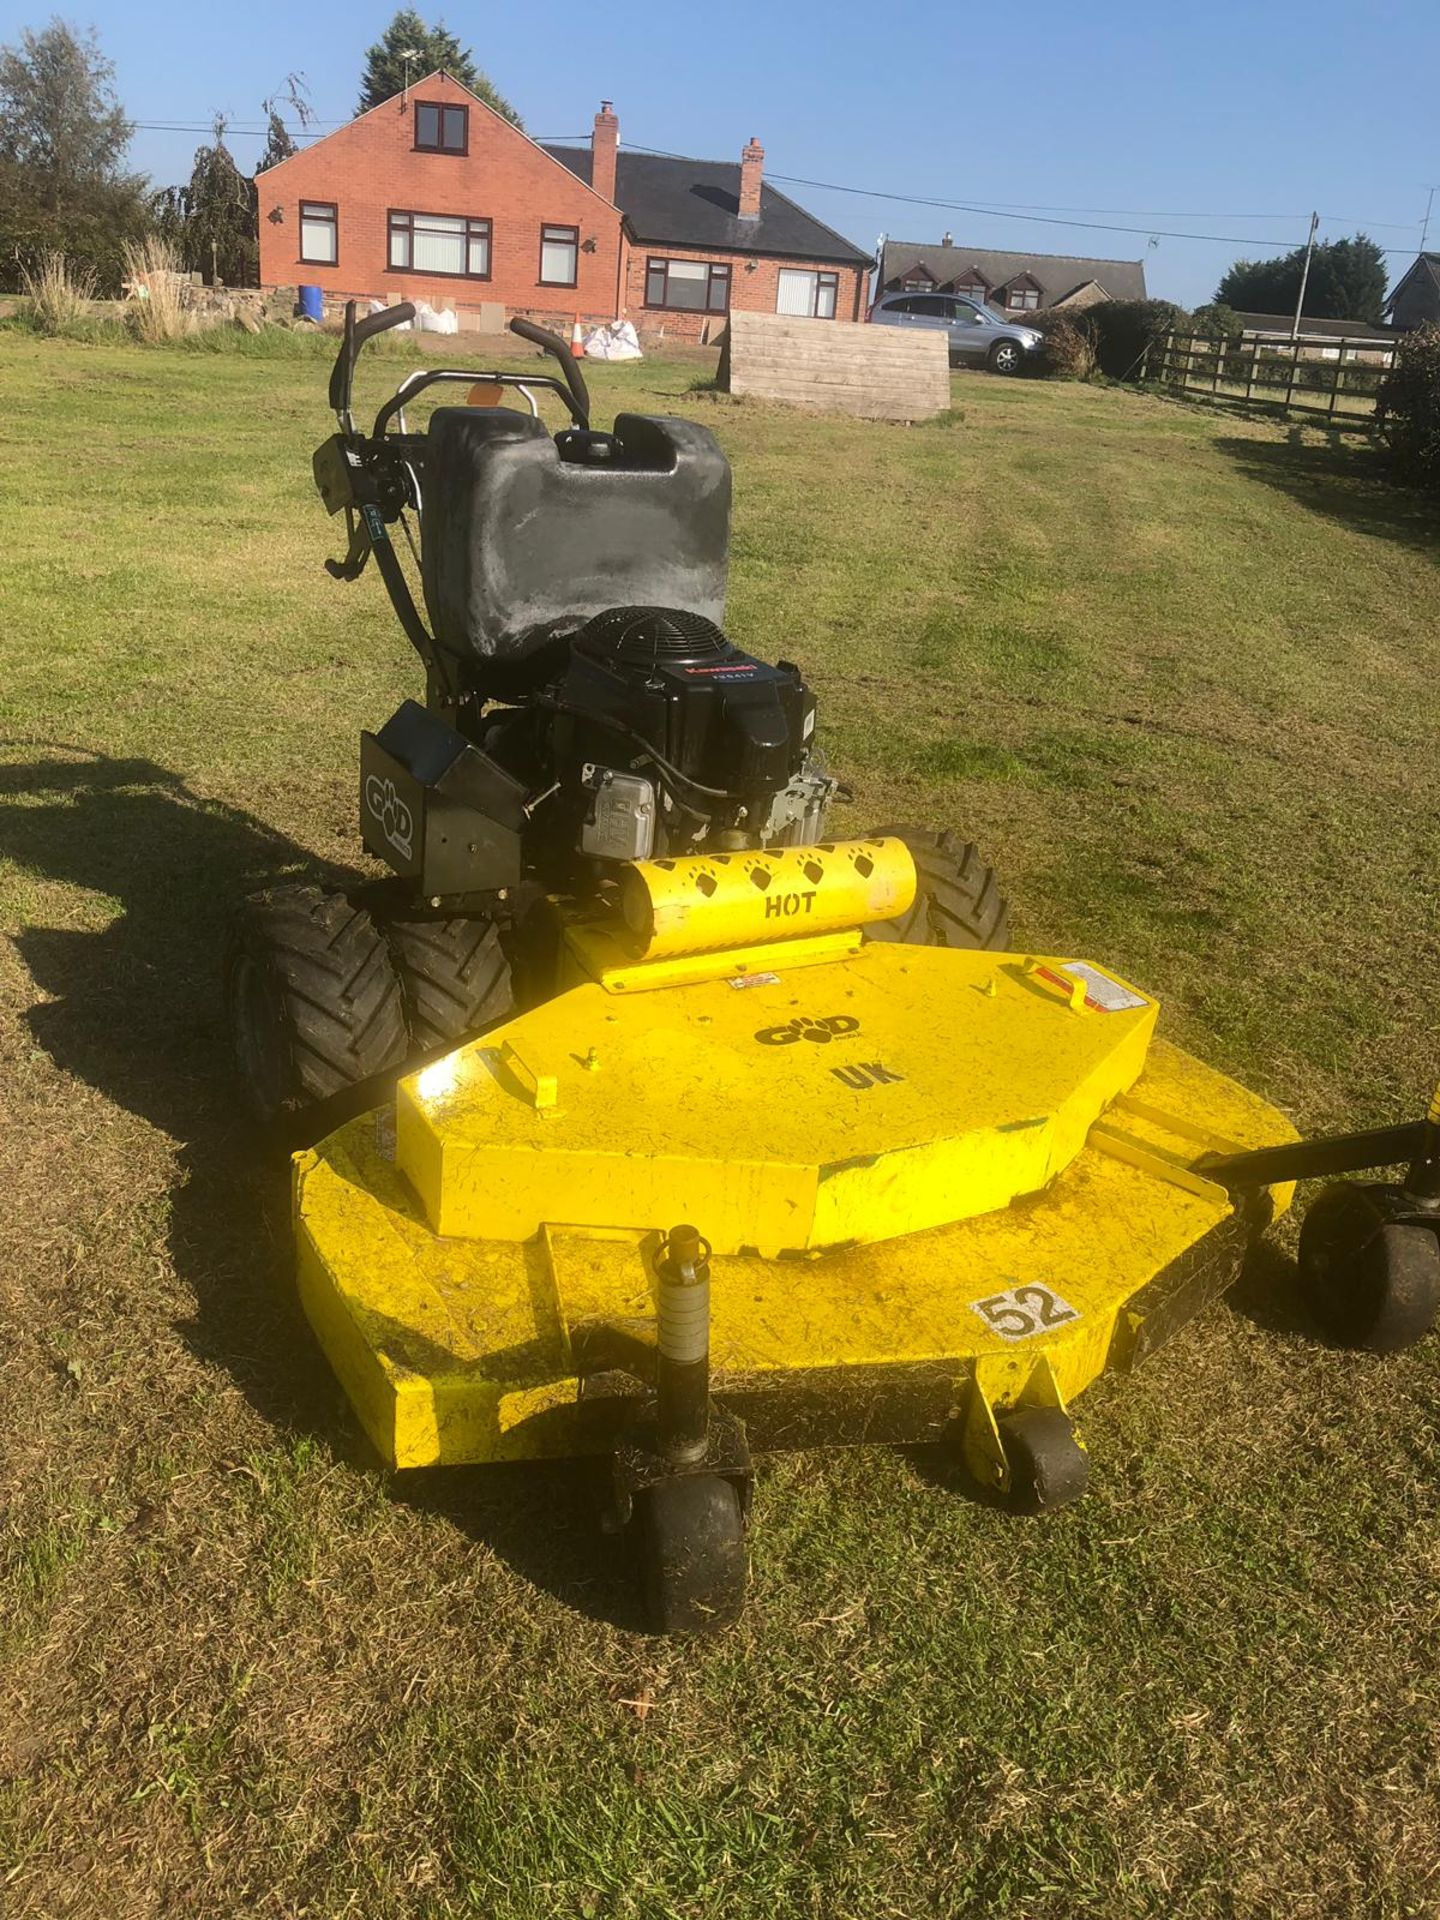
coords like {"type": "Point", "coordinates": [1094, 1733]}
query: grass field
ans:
{"type": "Point", "coordinates": [1181, 678]}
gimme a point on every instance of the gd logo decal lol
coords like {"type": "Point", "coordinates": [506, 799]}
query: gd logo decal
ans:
{"type": "Point", "coordinates": [804, 1028]}
{"type": "Point", "coordinates": [390, 814]}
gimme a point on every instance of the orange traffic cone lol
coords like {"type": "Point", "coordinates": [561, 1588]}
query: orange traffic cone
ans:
{"type": "Point", "coordinates": [577, 340]}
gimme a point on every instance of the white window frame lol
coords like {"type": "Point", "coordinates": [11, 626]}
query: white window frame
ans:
{"type": "Point", "coordinates": [559, 236]}
{"type": "Point", "coordinates": [823, 291]}
{"type": "Point", "coordinates": [325, 218]}
{"type": "Point", "coordinates": [406, 228]}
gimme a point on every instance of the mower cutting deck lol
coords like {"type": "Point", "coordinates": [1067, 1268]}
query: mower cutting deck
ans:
{"type": "Point", "coordinates": [937, 1193]}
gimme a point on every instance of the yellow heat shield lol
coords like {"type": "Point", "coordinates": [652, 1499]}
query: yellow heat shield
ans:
{"type": "Point", "coordinates": [704, 902]}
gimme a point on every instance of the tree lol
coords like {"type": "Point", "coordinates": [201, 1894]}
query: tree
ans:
{"type": "Point", "coordinates": [60, 122]}
{"type": "Point", "coordinates": [1347, 282]}
{"type": "Point", "coordinates": [211, 220]}
{"type": "Point", "coordinates": [63, 136]}
{"type": "Point", "coordinates": [387, 74]}
{"type": "Point", "coordinates": [293, 92]}
{"type": "Point", "coordinates": [278, 143]}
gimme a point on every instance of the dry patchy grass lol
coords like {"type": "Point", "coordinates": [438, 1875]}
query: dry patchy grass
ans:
{"type": "Point", "coordinates": [1181, 679]}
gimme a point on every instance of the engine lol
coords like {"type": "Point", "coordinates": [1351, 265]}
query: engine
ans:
{"type": "Point", "coordinates": [649, 734]}
{"type": "Point", "coordinates": [668, 737]}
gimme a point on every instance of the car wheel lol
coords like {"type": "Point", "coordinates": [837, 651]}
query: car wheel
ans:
{"type": "Point", "coordinates": [1005, 357]}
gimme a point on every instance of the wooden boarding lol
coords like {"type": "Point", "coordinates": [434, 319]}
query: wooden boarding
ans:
{"type": "Point", "coordinates": [837, 366]}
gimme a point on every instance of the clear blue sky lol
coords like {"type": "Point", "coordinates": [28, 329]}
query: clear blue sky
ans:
{"type": "Point", "coordinates": [1238, 117]}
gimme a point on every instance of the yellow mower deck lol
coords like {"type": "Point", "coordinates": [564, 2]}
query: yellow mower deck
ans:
{"type": "Point", "coordinates": [921, 1170]}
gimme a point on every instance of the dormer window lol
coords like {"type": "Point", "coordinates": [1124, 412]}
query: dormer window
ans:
{"type": "Point", "coordinates": [441, 129]}
{"type": "Point", "coordinates": [1022, 295]}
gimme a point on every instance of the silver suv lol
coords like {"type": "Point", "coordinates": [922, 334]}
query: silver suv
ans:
{"type": "Point", "coordinates": [975, 334]}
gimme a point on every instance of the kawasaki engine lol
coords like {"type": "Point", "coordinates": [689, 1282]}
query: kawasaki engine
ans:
{"type": "Point", "coordinates": [669, 738]}
{"type": "Point", "coordinates": [655, 736]}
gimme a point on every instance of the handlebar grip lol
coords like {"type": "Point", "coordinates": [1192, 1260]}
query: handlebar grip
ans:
{"type": "Point", "coordinates": [357, 332]}
{"type": "Point", "coordinates": [374, 323]}
{"type": "Point", "coordinates": [554, 345]}
{"type": "Point", "coordinates": [344, 365]}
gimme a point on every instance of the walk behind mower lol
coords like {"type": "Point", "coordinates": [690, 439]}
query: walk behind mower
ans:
{"type": "Point", "coordinates": [644, 1119]}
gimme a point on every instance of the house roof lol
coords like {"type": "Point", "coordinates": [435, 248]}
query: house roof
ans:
{"type": "Point", "coordinates": [1426, 264]}
{"type": "Point", "coordinates": [1312, 325]}
{"type": "Point", "coordinates": [412, 91]}
{"type": "Point", "coordinates": [1056, 274]}
{"type": "Point", "coordinates": [696, 203]}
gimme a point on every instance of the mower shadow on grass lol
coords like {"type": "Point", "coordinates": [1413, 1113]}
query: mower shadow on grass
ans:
{"type": "Point", "coordinates": [1350, 484]}
{"type": "Point", "coordinates": [135, 1012]}
{"type": "Point", "coordinates": [539, 1517]}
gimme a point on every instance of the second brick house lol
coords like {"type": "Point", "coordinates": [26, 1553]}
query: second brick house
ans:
{"type": "Point", "coordinates": [432, 195]}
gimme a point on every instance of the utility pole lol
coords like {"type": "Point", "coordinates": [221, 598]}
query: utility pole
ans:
{"type": "Point", "coordinates": [1305, 274]}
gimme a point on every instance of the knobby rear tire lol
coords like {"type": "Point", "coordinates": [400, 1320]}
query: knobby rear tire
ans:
{"type": "Point", "coordinates": [957, 902]}
{"type": "Point", "coordinates": [312, 998]}
{"type": "Point", "coordinates": [455, 978]}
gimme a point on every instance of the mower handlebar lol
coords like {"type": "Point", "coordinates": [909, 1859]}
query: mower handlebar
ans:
{"type": "Point", "coordinates": [556, 347]}
{"type": "Point", "coordinates": [357, 332]}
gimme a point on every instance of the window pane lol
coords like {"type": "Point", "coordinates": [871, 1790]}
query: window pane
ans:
{"type": "Point", "coordinates": [439, 244]}
{"type": "Point", "coordinates": [479, 253]}
{"type": "Point", "coordinates": [825, 299]}
{"type": "Point", "coordinates": [399, 246]}
{"type": "Point", "coordinates": [317, 234]}
{"type": "Point", "coordinates": [427, 126]}
{"type": "Point", "coordinates": [689, 284]}
{"type": "Point", "coordinates": [719, 290]}
{"type": "Point", "coordinates": [454, 122]}
{"type": "Point", "coordinates": [655, 284]}
{"type": "Point", "coordinates": [558, 253]}
{"type": "Point", "coordinates": [796, 292]}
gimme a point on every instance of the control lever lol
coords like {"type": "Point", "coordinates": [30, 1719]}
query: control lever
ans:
{"type": "Point", "coordinates": [358, 552]}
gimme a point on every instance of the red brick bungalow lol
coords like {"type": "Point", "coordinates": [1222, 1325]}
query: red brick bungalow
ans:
{"type": "Point", "coordinates": [434, 196]}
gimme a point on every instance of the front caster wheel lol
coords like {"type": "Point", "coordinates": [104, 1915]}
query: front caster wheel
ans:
{"type": "Point", "coordinates": [689, 1535]}
{"type": "Point", "coordinates": [1369, 1280]}
{"type": "Point", "coordinates": [1048, 1465]}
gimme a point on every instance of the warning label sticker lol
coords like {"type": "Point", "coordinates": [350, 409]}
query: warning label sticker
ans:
{"type": "Point", "coordinates": [755, 980]}
{"type": "Point", "coordinates": [1101, 992]}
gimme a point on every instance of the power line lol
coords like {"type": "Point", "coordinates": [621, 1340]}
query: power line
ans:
{"type": "Point", "coordinates": [1043, 220]}
{"type": "Point", "coordinates": [1032, 213]}
{"type": "Point", "coordinates": [318, 130]}
{"type": "Point", "coordinates": [1002, 211]}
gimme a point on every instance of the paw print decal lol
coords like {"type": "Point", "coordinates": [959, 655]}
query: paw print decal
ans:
{"type": "Point", "coordinates": [804, 1027]}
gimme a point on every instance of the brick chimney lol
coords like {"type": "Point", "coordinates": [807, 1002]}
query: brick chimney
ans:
{"type": "Point", "coordinates": [752, 171]}
{"type": "Point", "coordinates": [603, 144]}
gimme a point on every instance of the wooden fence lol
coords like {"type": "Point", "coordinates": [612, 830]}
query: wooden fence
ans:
{"type": "Point", "coordinates": [1336, 380]}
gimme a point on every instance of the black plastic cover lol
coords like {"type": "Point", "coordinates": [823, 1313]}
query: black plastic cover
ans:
{"type": "Point", "coordinates": [521, 544]}
{"type": "Point", "coordinates": [436, 809]}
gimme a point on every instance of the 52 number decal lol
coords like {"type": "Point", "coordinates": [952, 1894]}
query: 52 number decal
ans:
{"type": "Point", "coordinates": [1024, 1311]}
